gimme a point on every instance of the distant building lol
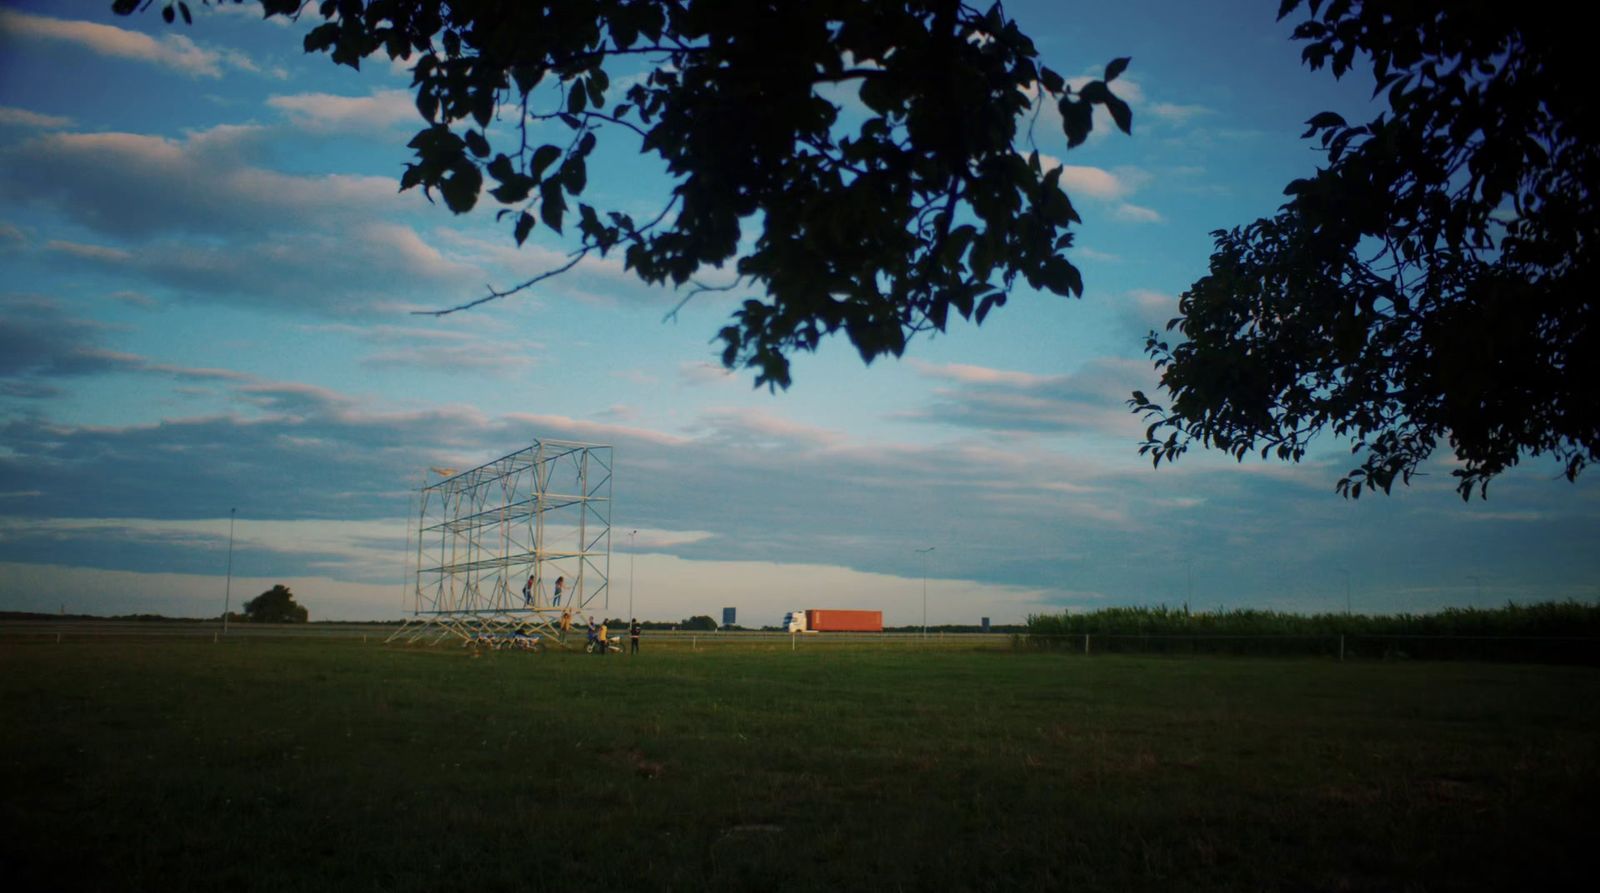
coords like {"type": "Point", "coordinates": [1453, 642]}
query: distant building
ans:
{"type": "Point", "coordinates": [728, 615]}
{"type": "Point", "coordinates": [985, 624]}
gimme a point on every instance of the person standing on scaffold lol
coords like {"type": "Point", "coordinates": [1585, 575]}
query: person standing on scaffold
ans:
{"type": "Point", "coordinates": [559, 582]}
{"type": "Point", "coordinates": [527, 593]}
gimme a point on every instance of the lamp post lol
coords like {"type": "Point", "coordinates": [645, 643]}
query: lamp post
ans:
{"type": "Point", "coordinates": [631, 616]}
{"type": "Point", "coordinates": [1346, 572]}
{"type": "Point", "coordinates": [924, 554]}
{"type": "Point", "coordinates": [227, 592]}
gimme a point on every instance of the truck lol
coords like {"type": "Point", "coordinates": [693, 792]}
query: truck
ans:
{"type": "Point", "coordinates": [817, 620]}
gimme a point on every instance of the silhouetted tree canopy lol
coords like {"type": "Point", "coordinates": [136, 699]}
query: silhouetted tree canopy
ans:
{"type": "Point", "coordinates": [880, 227]}
{"type": "Point", "coordinates": [1435, 282]}
{"type": "Point", "coordinates": [701, 622]}
{"type": "Point", "coordinates": [276, 605]}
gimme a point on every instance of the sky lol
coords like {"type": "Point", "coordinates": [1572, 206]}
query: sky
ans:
{"type": "Point", "coordinates": [210, 273]}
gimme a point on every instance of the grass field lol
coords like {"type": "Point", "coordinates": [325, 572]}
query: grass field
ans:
{"type": "Point", "coordinates": [283, 764]}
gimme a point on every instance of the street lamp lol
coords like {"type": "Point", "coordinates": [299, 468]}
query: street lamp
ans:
{"type": "Point", "coordinates": [227, 592]}
{"type": "Point", "coordinates": [924, 554]}
{"type": "Point", "coordinates": [631, 616]}
{"type": "Point", "coordinates": [1346, 572]}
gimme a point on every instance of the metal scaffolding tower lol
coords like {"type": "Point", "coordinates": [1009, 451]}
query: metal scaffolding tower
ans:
{"type": "Point", "coordinates": [542, 512]}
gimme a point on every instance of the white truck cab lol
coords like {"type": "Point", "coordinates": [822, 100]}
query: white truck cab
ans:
{"type": "Point", "coordinates": [794, 622]}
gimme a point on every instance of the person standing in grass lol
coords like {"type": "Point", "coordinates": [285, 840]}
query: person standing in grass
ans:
{"type": "Point", "coordinates": [566, 622]}
{"type": "Point", "coordinates": [605, 637]}
{"type": "Point", "coordinates": [589, 629]}
{"type": "Point", "coordinates": [633, 636]}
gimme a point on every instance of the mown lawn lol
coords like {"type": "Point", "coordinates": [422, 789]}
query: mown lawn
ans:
{"type": "Point", "coordinates": [282, 765]}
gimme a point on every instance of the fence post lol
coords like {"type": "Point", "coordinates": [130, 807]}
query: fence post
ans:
{"type": "Point", "coordinates": [791, 641]}
{"type": "Point", "coordinates": [1341, 647]}
{"type": "Point", "coordinates": [1086, 644]}
{"type": "Point", "coordinates": [694, 643]}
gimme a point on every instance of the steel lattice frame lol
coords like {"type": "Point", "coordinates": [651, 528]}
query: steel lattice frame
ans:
{"type": "Point", "coordinates": [541, 512]}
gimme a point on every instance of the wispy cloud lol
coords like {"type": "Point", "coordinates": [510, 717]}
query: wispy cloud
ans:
{"type": "Point", "coordinates": [174, 51]}
{"type": "Point", "coordinates": [1093, 182]}
{"type": "Point", "coordinates": [15, 117]}
{"type": "Point", "coordinates": [1131, 213]}
{"type": "Point", "coordinates": [1088, 253]}
{"type": "Point", "coordinates": [1176, 113]}
{"type": "Point", "coordinates": [983, 375]}
{"type": "Point", "coordinates": [1143, 310]}
{"type": "Point", "coordinates": [702, 373]}
{"type": "Point", "coordinates": [326, 112]}
{"type": "Point", "coordinates": [754, 487]}
{"type": "Point", "coordinates": [137, 186]}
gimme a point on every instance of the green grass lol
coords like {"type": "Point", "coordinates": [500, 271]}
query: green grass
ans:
{"type": "Point", "coordinates": [282, 765]}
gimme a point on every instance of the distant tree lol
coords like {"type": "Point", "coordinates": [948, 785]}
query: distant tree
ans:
{"type": "Point", "coordinates": [700, 622]}
{"type": "Point", "coordinates": [1436, 282]}
{"type": "Point", "coordinates": [276, 605]}
{"type": "Point", "coordinates": [880, 228]}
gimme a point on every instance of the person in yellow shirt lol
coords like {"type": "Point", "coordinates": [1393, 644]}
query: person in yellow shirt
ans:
{"type": "Point", "coordinates": [604, 641]}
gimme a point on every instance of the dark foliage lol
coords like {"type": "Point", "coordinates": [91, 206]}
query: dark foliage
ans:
{"type": "Point", "coordinates": [1434, 283]}
{"type": "Point", "coordinates": [1546, 632]}
{"type": "Point", "coordinates": [276, 605]}
{"type": "Point", "coordinates": [879, 230]}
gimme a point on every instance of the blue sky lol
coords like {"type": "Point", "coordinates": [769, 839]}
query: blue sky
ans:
{"type": "Point", "coordinates": [208, 273]}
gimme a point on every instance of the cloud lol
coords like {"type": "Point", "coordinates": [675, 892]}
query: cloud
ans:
{"type": "Point", "coordinates": [701, 373]}
{"type": "Point", "coordinates": [81, 251]}
{"type": "Point", "coordinates": [1088, 253]}
{"type": "Point", "coordinates": [11, 236]}
{"type": "Point", "coordinates": [1090, 400]}
{"type": "Point", "coordinates": [173, 51]}
{"type": "Point", "coordinates": [135, 298]}
{"type": "Point", "coordinates": [1093, 182]}
{"type": "Point", "coordinates": [636, 376]}
{"type": "Point", "coordinates": [15, 117]}
{"type": "Point", "coordinates": [595, 279]}
{"type": "Point", "coordinates": [134, 186]}
{"type": "Point", "coordinates": [326, 112]}
{"type": "Point", "coordinates": [1024, 511]}
{"type": "Point", "coordinates": [449, 352]}
{"type": "Point", "coordinates": [1142, 310]}
{"type": "Point", "coordinates": [356, 273]}
{"type": "Point", "coordinates": [39, 340]}
{"type": "Point", "coordinates": [982, 375]}
{"type": "Point", "coordinates": [1131, 213]}
{"type": "Point", "coordinates": [1175, 113]}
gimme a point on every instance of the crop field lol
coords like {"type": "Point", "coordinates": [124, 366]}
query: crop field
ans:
{"type": "Point", "coordinates": [285, 764]}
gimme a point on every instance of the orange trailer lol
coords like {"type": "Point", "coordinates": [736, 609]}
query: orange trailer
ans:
{"type": "Point", "coordinates": [836, 620]}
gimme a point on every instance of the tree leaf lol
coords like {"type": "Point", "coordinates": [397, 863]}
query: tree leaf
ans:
{"type": "Point", "coordinates": [1120, 113]}
{"type": "Point", "coordinates": [1051, 81]}
{"type": "Point", "coordinates": [551, 204]}
{"type": "Point", "coordinates": [542, 158]}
